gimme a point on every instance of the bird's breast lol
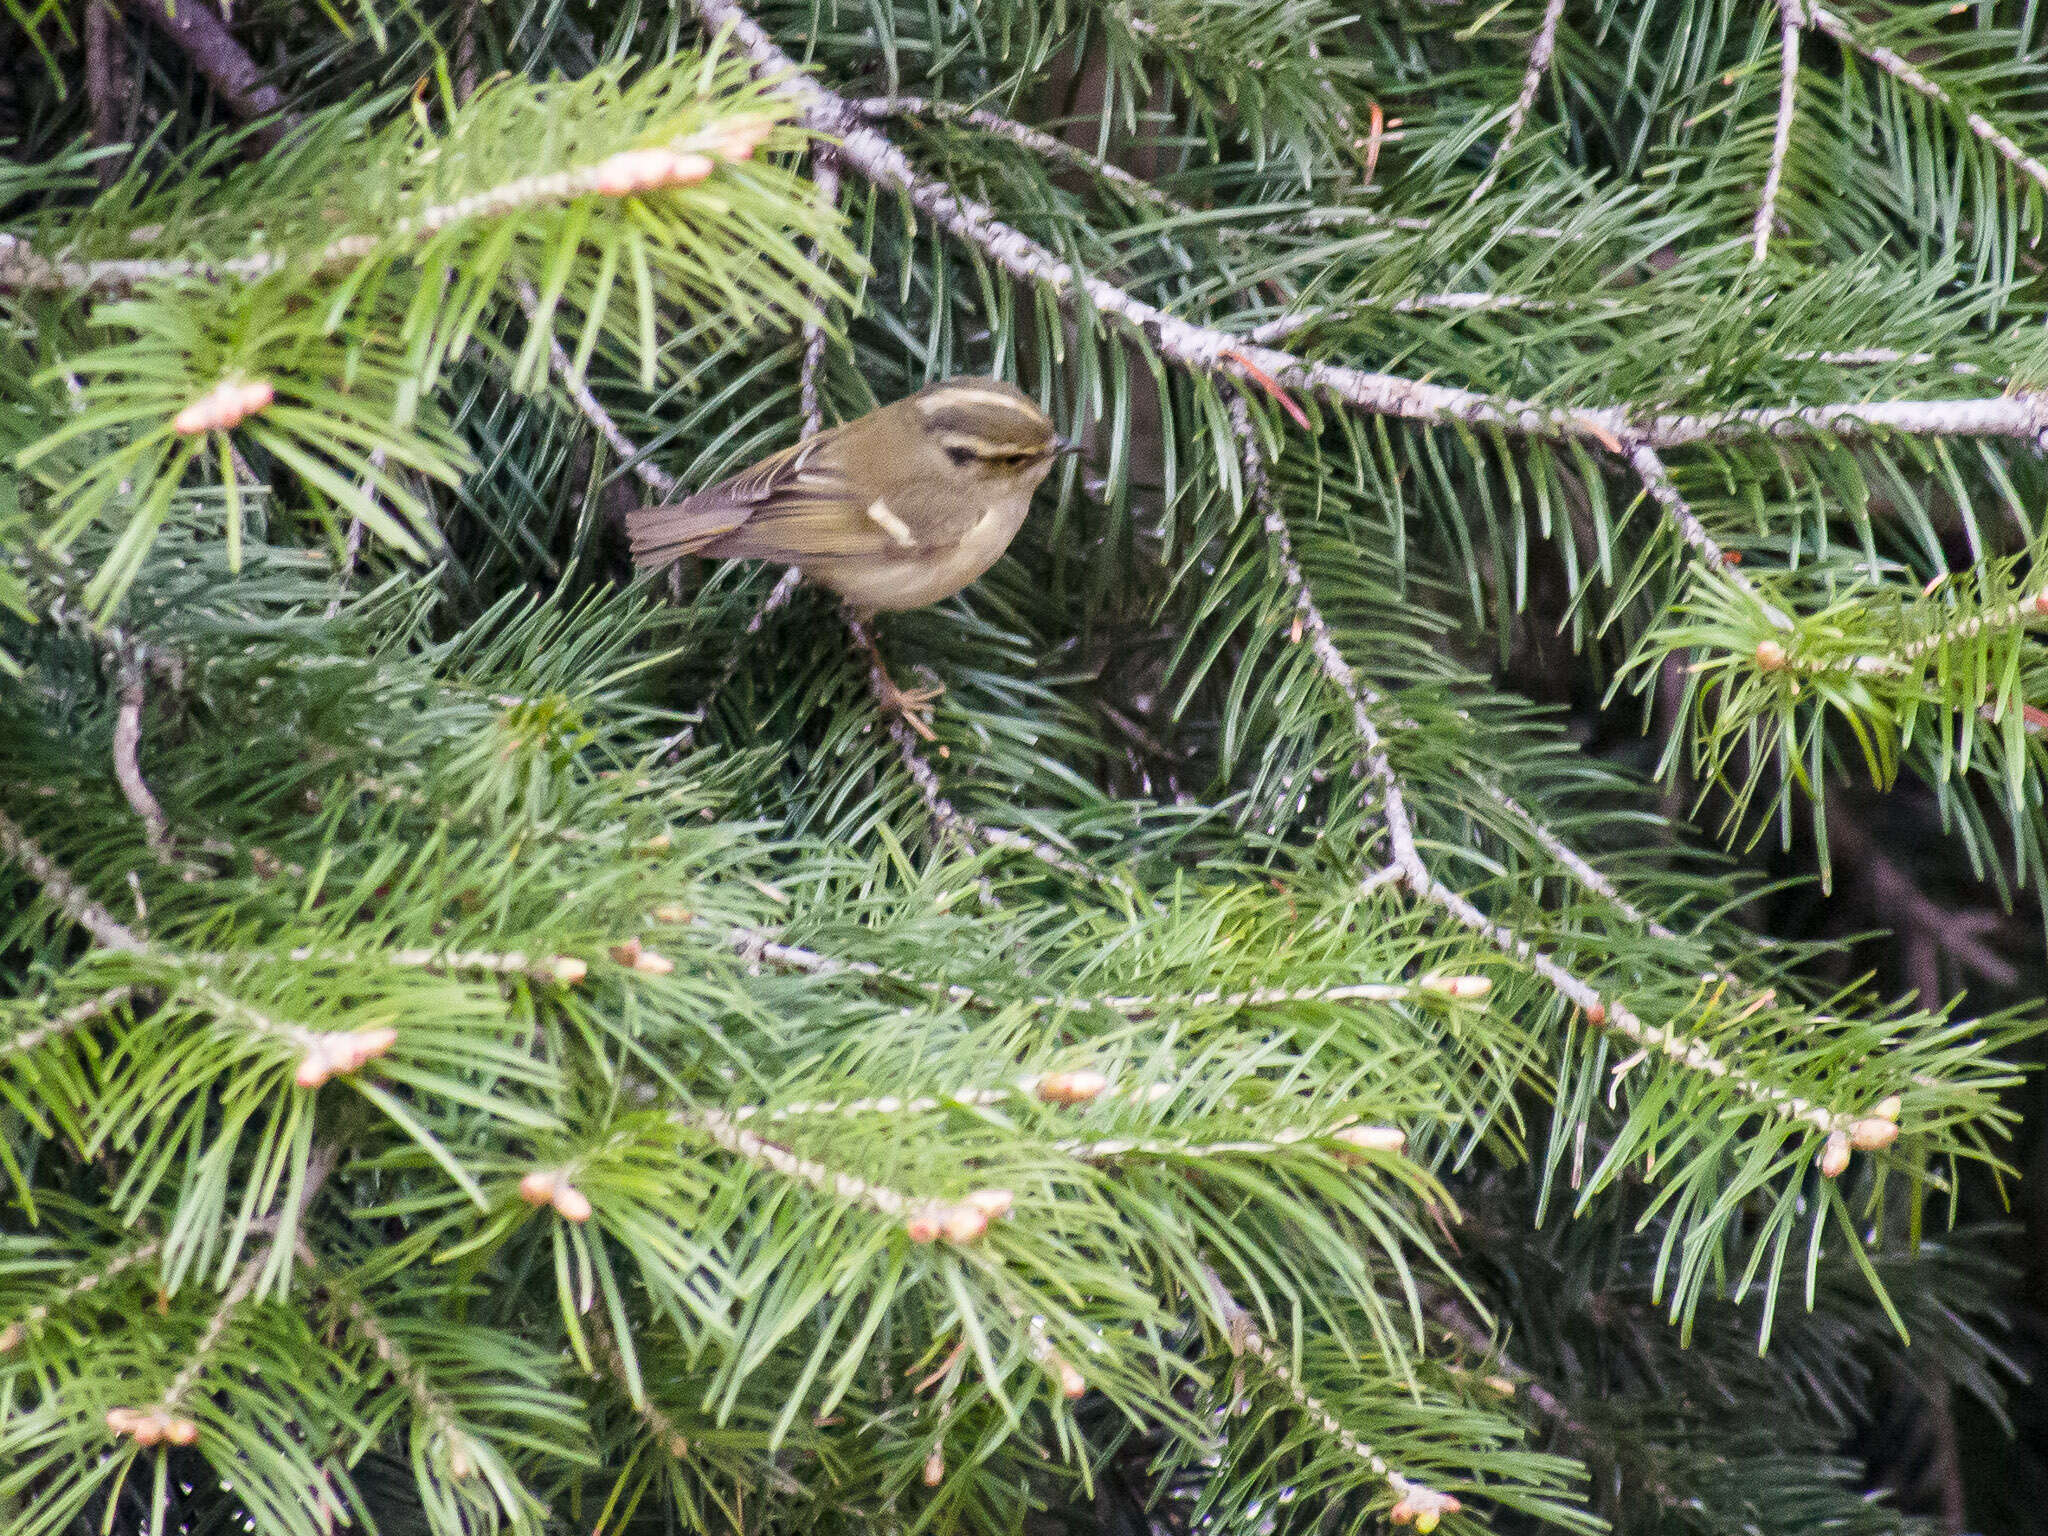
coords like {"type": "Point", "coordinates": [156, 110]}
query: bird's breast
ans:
{"type": "Point", "coordinates": [930, 574]}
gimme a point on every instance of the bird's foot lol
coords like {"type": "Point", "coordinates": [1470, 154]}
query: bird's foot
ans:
{"type": "Point", "coordinates": [912, 705]}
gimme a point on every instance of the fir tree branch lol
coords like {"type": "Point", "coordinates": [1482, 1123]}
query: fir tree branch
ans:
{"type": "Point", "coordinates": [825, 176]}
{"type": "Point", "coordinates": [1039, 142]}
{"type": "Point", "coordinates": [1576, 864]}
{"type": "Point", "coordinates": [1790, 23]}
{"type": "Point", "coordinates": [1657, 481]}
{"type": "Point", "coordinates": [1415, 1498]}
{"type": "Point", "coordinates": [1902, 70]}
{"type": "Point", "coordinates": [85, 1284]}
{"type": "Point", "coordinates": [163, 1419]}
{"type": "Point", "coordinates": [577, 389]}
{"type": "Point", "coordinates": [1206, 349]}
{"type": "Point", "coordinates": [71, 897]}
{"type": "Point", "coordinates": [666, 1432]}
{"type": "Point", "coordinates": [2031, 608]}
{"type": "Point", "coordinates": [70, 1019]}
{"type": "Point", "coordinates": [431, 1406]}
{"type": "Point", "coordinates": [1414, 872]}
{"type": "Point", "coordinates": [961, 1221]}
{"type": "Point", "coordinates": [1532, 81]}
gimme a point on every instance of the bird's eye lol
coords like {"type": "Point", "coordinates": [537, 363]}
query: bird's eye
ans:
{"type": "Point", "coordinates": [961, 456]}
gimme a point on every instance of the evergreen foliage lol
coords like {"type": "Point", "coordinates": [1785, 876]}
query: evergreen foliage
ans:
{"type": "Point", "coordinates": [489, 1041]}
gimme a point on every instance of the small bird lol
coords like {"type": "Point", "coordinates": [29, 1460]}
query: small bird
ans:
{"type": "Point", "coordinates": [895, 509]}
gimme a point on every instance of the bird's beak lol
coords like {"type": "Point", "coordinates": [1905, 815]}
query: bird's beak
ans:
{"type": "Point", "coordinates": [1061, 447]}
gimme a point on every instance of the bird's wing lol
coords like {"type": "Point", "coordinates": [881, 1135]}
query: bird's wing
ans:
{"type": "Point", "coordinates": [794, 506]}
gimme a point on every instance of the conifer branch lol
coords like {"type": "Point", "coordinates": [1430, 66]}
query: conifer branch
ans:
{"type": "Point", "coordinates": [2031, 608]}
{"type": "Point", "coordinates": [666, 1432]}
{"type": "Point", "coordinates": [163, 1419]}
{"type": "Point", "coordinates": [1416, 1500]}
{"type": "Point", "coordinates": [1039, 142]}
{"type": "Point", "coordinates": [1416, 875]}
{"type": "Point", "coordinates": [825, 177]}
{"type": "Point", "coordinates": [1576, 863]}
{"type": "Point", "coordinates": [577, 388]}
{"type": "Point", "coordinates": [961, 1221]}
{"type": "Point", "coordinates": [1532, 81]}
{"type": "Point", "coordinates": [85, 1284]}
{"type": "Point", "coordinates": [71, 1019]}
{"type": "Point", "coordinates": [432, 1407]}
{"type": "Point", "coordinates": [1657, 481]}
{"type": "Point", "coordinates": [1205, 349]}
{"type": "Point", "coordinates": [1790, 23]}
{"type": "Point", "coordinates": [70, 897]}
{"type": "Point", "coordinates": [1902, 70]}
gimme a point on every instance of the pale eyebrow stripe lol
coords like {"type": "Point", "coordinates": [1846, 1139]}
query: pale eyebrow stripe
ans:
{"type": "Point", "coordinates": [951, 397]}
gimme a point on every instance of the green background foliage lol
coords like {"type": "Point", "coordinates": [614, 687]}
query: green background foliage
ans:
{"type": "Point", "coordinates": [517, 1051]}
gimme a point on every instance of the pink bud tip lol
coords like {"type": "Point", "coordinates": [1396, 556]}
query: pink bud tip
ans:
{"type": "Point", "coordinates": [963, 1223]}
{"type": "Point", "coordinates": [992, 1203]}
{"type": "Point", "coordinates": [538, 1187]}
{"type": "Point", "coordinates": [1071, 1087]}
{"type": "Point", "coordinates": [1834, 1157]}
{"type": "Point", "coordinates": [1374, 1138]}
{"type": "Point", "coordinates": [571, 1204]}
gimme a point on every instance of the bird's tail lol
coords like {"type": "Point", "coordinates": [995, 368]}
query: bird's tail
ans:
{"type": "Point", "coordinates": [661, 534]}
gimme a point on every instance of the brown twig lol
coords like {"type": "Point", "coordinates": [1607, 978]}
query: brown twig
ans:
{"type": "Point", "coordinates": [127, 760]}
{"type": "Point", "coordinates": [106, 65]}
{"type": "Point", "coordinates": [467, 70]}
{"type": "Point", "coordinates": [225, 64]}
{"type": "Point", "coordinates": [825, 177]}
{"type": "Point", "coordinates": [1532, 81]}
{"type": "Point", "coordinates": [1657, 481]}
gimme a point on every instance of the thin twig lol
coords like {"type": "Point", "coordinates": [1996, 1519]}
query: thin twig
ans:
{"type": "Point", "coordinates": [410, 1375]}
{"type": "Point", "coordinates": [1790, 24]}
{"type": "Point", "coordinates": [1903, 71]}
{"type": "Point", "coordinates": [1245, 1339]}
{"type": "Point", "coordinates": [71, 898]}
{"type": "Point", "coordinates": [1532, 81]}
{"type": "Point", "coordinates": [656, 480]}
{"type": "Point", "coordinates": [467, 71]}
{"type": "Point", "coordinates": [825, 177]}
{"type": "Point", "coordinates": [106, 68]}
{"type": "Point", "coordinates": [71, 1019]}
{"type": "Point", "coordinates": [1657, 481]}
{"type": "Point", "coordinates": [83, 1285]}
{"type": "Point", "coordinates": [876, 108]}
{"type": "Point", "coordinates": [127, 760]}
{"type": "Point", "coordinates": [283, 1239]}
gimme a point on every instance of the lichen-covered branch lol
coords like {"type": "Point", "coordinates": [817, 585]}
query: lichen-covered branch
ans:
{"type": "Point", "coordinates": [1790, 24]}
{"type": "Point", "coordinates": [1532, 81]}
